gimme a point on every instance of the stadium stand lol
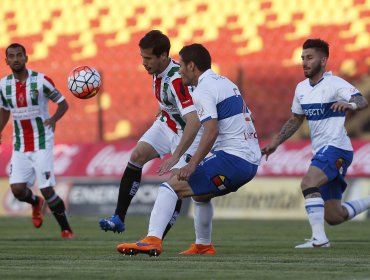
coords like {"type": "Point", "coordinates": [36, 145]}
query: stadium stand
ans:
{"type": "Point", "coordinates": [255, 42]}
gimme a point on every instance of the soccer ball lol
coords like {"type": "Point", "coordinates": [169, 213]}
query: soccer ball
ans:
{"type": "Point", "coordinates": [84, 82]}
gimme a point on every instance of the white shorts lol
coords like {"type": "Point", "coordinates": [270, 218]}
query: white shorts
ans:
{"type": "Point", "coordinates": [28, 166]}
{"type": "Point", "coordinates": [165, 141]}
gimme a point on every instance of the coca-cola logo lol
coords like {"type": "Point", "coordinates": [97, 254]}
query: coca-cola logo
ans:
{"type": "Point", "coordinates": [287, 162]}
{"type": "Point", "coordinates": [110, 161]}
{"type": "Point", "coordinates": [63, 157]}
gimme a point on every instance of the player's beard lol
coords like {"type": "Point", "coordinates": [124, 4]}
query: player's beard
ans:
{"type": "Point", "coordinates": [314, 71]}
{"type": "Point", "coordinates": [19, 69]}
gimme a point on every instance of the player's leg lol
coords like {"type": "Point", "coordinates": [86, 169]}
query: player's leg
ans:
{"type": "Point", "coordinates": [356, 207]}
{"type": "Point", "coordinates": [161, 214]}
{"type": "Point", "coordinates": [58, 209]}
{"type": "Point", "coordinates": [129, 185]}
{"type": "Point", "coordinates": [314, 205]}
{"type": "Point", "coordinates": [154, 143]}
{"type": "Point", "coordinates": [43, 163]}
{"type": "Point", "coordinates": [337, 212]}
{"type": "Point", "coordinates": [131, 178]}
{"type": "Point", "coordinates": [22, 176]}
{"type": "Point", "coordinates": [327, 170]}
{"type": "Point", "coordinates": [203, 214]}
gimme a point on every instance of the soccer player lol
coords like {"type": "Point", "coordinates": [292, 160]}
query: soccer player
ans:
{"type": "Point", "coordinates": [229, 136]}
{"type": "Point", "coordinates": [175, 132]}
{"type": "Point", "coordinates": [323, 99]}
{"type": "Point", "coordinates": [25, 95]}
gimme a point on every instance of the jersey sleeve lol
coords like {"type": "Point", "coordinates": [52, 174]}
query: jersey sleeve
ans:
{"type": "Point", "coordinates": [50, 91]}
{"type": "Point", "coordinates": [182, 96]}
{"type": "Point", "coordinates": [345, 90]}
{"type": "Point", "coordinates": [206, 104]}
{"type": "Point", "coordinates": [296, 105]}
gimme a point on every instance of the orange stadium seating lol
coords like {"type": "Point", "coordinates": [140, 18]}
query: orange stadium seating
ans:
{"type": "Point", "coordinates": [257, 43]}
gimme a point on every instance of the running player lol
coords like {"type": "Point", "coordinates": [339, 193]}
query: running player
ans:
{"type": "Point", "coordinates": [173, 132]}
{"type": "Point", "coordinates": [25, 95]}
{"type": "Point", "coordinates": [228, 134]}
{"type": "Point", "coordinates": [323, 99]}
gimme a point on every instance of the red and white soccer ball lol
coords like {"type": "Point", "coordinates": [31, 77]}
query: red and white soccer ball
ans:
{"type": "Point", "coordinates": [84, 82]}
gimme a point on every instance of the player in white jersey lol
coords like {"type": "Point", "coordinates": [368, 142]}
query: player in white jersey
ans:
{"type": "Point", "coordinates": [173, 132]}
{"type": "Point", "coordinates": [229, 136]}
{"type": "Point", "coordinates": [323, 100]}
{"type": "Point", "coordinates": [25, 94]}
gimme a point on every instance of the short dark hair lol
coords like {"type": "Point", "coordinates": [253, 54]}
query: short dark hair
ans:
{"type": "Point", "coordinates": [157, 40]}
{"type": "Point", "coordinates": [317, 44]}
{"type": "Point", "coordinates": [13, 46]}
{"type": "Point", "coordinates": [198, 54]}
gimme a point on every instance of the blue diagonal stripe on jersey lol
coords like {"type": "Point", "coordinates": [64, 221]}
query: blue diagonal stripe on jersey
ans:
{"type": "Point", "coordinates": [229, 107]}
{"type": "Point", "coordinates": [320, 111]}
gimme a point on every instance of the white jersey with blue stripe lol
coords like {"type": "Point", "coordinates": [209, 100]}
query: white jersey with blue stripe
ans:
{"type": "Point", "coordinates": [216, 97]}
{"type": "Point", "coordinates": [326, 126]}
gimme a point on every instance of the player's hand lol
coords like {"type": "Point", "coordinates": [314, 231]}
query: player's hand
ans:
{"type": "Point", "coordinates": [185, 172]}
{"type": "Point", "coordinates": [167, 165]}
{"type": "Point", "coordinates": [50, 123]}
{"type": "Point", "coordinates": [269, 149]}
{"type": "Point", "coordinates": [341, 106]}
{"type": "Point", "coordinates": [0, 138]}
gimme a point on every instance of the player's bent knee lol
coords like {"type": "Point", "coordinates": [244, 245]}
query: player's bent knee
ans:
{"type": "Point", "coordinates": [18, 190]}
{"type": "Point", "coordinates": [334, 219]}
{"type": "Point", "coordinates": [142, 154]}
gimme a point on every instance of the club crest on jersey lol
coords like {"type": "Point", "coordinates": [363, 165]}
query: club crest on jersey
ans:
{"type": "Point", "coordinates": [47, 175]}
{"type": "Point", "coordinates": [21, 100]}
{"type": "Point", "coordinates": [34, 94]}
{"type": "Point", "coordinates": [201, 112]}
{"type": "Point", "coordinates": [219, 181]}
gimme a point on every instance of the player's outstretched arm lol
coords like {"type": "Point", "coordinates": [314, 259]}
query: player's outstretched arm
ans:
{"type": "Point", "coordinates": [356, 103]}
{"type": "Point", "coordinates": [288, 129]}
{"type": "Point", "coordinates": [191, 129]}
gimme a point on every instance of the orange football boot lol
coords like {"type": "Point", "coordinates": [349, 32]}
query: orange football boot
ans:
{"type": "Point", "coordinates": [196, 249]}
{"type": "Point", "coordinates": [37, 218]}
{"type": "Point", "coordinates": [150, 245]}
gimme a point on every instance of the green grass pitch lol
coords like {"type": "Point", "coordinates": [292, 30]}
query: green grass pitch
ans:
{"type": "Point", "coordinates": [246, 249]}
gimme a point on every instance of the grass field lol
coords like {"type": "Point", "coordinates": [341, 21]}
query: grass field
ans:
{"type": "Point", "coordinates": [246, 249]}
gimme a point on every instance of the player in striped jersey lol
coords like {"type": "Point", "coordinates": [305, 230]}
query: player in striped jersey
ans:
{"type": "Point", "coordinates": [25, 94]}
{"type": "Point", "coordinates": [174, 132]}
{"type": "Point", "coordinates": [229, 136]}
{"type": "Point", "coordinates": [323, 100]}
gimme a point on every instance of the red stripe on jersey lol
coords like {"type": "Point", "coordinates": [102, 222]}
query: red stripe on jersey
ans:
{"type": "Point", "coordinates": [20, 94]}
{"type": "Point", "coordinates": [29, 143]}
{"type": "Point", "coordinates": [49, 80]}
{"type": "Point", "coordinates": [182, 93]}
{"type": "Point", "coordinates": [158, 88]}
{"type": "Point", "coordinates": [170, 122]}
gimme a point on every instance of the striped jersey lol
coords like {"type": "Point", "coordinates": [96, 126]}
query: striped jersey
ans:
{"type": "Point", "coordinates": [28, 104]}
{"type": "Point", "coordinates": [173, 97]}
{"type": "Point", "coordinates": [326, 126]}
{"type": "Point", "coordinates": [216, 97]}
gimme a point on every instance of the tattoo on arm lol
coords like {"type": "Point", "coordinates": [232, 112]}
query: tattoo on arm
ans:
{"type": "Point", "coordinates": [290, 127]}
{"type": "Point", "coordinates": [360, 101]}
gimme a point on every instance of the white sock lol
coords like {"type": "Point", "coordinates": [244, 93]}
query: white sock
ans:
{"type": "Point", "coordinates": [203, 214]}
{"type": "Point", "coordinates": [356, 207]}
{"type": "Point", "coordinates": [163, 209]}
{"type": "Point", "coordinates": [315, 211]}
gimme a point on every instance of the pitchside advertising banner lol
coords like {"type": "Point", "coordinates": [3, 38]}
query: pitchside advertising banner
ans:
{"type": "Point", "coordinates": [88, 177]}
